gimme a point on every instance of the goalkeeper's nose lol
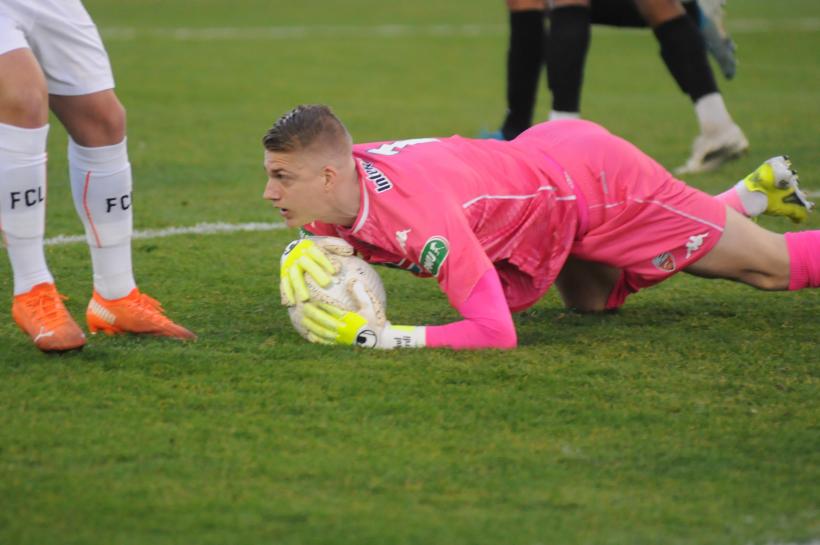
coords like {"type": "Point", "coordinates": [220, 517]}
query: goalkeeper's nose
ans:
{"type": "Point", "coordinates": [273, 190]}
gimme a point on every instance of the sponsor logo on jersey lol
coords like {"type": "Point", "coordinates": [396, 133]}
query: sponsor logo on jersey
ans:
{"type": "Point", "coordinates": [376, 176]}
{"type": "Point", "coordinates": [665, 262]}
{"type": "Point", "coordinates": [434, 254]}
{"type": "Point", "coordinates": [694, 243]}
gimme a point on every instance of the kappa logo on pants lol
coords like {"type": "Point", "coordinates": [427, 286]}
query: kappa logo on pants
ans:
{"type": "Point", "coordinates": [694, 243]}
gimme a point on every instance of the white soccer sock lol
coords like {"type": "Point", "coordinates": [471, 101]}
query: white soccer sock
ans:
{"type": "Point", "coordinates": [23, 203]}
{"type": "Point", "coordinates": [113, 275]}
{"type": "Point", "coordinates": [712, 114]}
{"type": "Point", "coordinates": [555, 115]}
{"type": "Point", "coordinates": [28, 262]}
{"type": "Point", "coordinates": [101, 185]}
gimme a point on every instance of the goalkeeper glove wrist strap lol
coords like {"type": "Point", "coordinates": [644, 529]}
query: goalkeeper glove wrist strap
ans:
{"type": "Point", "coordinates": [402, 336]}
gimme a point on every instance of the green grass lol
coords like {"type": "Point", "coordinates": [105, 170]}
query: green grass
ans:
{"type": "Point", "coordinates": [690, 417]}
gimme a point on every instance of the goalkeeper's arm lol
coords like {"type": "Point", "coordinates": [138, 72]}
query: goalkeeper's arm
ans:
{"type": "Point", "coordinates": [487, 320]}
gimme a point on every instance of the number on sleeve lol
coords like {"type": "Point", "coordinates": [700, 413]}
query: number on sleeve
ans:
{"type": "Point", "coordinates": [395, 147]}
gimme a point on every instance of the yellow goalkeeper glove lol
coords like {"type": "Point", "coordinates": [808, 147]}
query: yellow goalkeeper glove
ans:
{"type": "Point", "coordinates": [308, 256]}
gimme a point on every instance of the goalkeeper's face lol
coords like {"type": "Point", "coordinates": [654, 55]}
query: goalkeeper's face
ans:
{"type": "Point", "coordinates": [300, 185]}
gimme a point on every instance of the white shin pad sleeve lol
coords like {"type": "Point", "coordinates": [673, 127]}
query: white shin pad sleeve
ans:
{"type": "Point", "coordinates": [101, 186]}
{"type": "Point", "coordinates": [23, 181]}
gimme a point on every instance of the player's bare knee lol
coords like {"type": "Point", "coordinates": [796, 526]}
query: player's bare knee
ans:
{"type": "Point", "coordinates": [763, 282]}
{"type": "Point", "coordinates": [776, 283]}
{"type": "Point", "coordinates": [112, 122]}
{"type": "Point", "coordinates": [772, 279]}
{"type": "Point", "coordinates": [585, 286]}
{"type": "Point", "coordinates": [581, 301]}
{"type": "Point", "coordinates": [92, 120]}
{"type": "Point", "coordinates": [773, 268]}
{"type": "Point", "coordinates": [24, 106]}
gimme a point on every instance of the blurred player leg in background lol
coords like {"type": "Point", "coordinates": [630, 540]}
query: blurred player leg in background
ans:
{"type": "Point", "coordinates": [566, 55]}
{"type": "Point", "coordinates": [683, 51]}
{"type": "Point", "coordinates": [525, 58]}
{"type": "Point", "coordinates": [564, 46]}
{"type": "Point", "coordinates": [708, 14]}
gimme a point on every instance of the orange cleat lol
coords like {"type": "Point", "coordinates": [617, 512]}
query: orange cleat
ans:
{"type": "Point", "coordinates": [41, 314]}
{"type": "Point", "coordinates": [135, 313]}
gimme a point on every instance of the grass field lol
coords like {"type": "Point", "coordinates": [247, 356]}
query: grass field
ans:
{"type": "Point", "coordinates": [690, 417]}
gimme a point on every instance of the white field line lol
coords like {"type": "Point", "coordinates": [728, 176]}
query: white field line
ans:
{"type": "Point", "coordinates": [300, 32]}
{"type": "Point", "coordinates": [296, 32]}
{"type": "Point", "coordinates": [198, 229]}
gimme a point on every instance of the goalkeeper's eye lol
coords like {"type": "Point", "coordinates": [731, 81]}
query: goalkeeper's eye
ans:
{"type": "Point", "coordinates": [285, 179]}
{"type": "Point", "coordinates": [278, 174]}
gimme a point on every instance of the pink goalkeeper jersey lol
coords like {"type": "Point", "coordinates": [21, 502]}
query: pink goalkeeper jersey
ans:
{"type": "Point", "coordinates": [453, 207]}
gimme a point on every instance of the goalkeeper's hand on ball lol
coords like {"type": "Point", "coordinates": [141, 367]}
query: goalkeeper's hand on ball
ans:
{"type": "Point", "coordinates": [308, 256]}
{"type": "Point", "coordinates": [328, 324]}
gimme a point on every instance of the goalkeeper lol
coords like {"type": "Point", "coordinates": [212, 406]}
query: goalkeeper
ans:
{"type": "Point", "coordinates": [497, 223]}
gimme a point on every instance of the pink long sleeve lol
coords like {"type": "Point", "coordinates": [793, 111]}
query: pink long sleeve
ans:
{"type": "Point", "coordinates": [487, 324]}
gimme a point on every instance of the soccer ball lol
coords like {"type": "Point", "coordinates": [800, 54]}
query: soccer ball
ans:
{"type": "Point", "coordinates": [339, 292]}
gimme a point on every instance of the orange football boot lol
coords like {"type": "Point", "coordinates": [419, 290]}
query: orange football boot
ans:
{"type": "Point", "coordinates": [41, 314]}
{"type": "Point", "coordinates": [135, 313]}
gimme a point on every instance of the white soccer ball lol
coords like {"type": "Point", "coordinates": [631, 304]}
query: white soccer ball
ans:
{"type": "Point", "coordinates": [339, 292]}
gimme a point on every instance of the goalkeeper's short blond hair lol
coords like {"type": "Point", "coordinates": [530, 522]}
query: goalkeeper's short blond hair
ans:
{"type": "Point", "coordinates": [308, 126]}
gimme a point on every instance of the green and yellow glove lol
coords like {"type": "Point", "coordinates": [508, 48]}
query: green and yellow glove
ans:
{"type": "Point", "coordinates": [308, 256]}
